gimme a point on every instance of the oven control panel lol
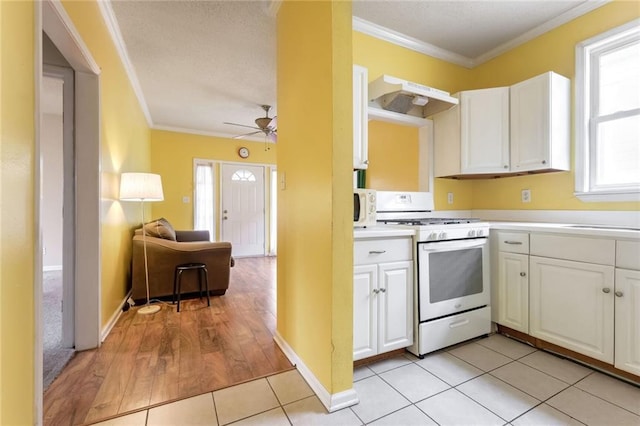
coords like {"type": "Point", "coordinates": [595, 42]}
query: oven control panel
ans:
{"type": "Point", "coordinates": [452, 232]}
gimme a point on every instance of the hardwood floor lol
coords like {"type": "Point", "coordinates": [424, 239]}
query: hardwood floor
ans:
{"type": "Point", "coordinates": [152, 359]}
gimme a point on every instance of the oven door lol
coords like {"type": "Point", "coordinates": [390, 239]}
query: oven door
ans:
{"type": "Point", "coordinates": [453, 276]}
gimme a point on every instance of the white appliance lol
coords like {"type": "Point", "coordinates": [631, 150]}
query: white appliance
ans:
{"type": "Point", "coordinates": [364, 207]}
{"type": "Point", "coordinates": [452, 299]}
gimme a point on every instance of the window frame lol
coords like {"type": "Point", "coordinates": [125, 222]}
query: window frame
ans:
{"type": "Point", "coordinates": [587, 52]}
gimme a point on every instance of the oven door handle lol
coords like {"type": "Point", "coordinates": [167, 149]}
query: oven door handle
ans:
{"type": "Point", "coordinates": [453, 245]}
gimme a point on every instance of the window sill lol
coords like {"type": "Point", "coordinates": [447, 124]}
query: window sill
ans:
{"type": "Point", "coordinates": [607, 196]}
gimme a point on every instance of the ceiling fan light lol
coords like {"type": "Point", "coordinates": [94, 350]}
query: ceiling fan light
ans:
{"type": "Point", "coordinates": [263, 122]}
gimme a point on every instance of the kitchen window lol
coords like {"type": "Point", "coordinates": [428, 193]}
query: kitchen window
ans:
{"type": "Point", "coordinates": [203, 211]}
{"type": "Point", "coordinates": [608, 115]}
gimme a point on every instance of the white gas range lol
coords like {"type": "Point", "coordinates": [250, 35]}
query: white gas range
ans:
{"type": "Point", "coordinates": [451, 270]}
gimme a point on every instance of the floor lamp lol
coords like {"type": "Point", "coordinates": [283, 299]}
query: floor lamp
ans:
{"type": "Point", "coordinates": [142, 187]}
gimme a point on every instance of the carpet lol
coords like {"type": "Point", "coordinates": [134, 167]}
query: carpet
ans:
{"type": "Point", "coordinates": [54, 355]}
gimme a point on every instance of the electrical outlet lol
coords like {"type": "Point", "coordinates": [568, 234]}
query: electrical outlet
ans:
{"type": "Point", "coordinates": [526, 195]}
{"type": "Point", "coordinates": [450, 197]}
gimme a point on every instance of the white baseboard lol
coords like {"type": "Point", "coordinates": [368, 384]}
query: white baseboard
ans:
{"type": "Point", "coordinates": [52, 268]}
{"type": "Point", "coordinates": [114, 318]}
{"type": "Point", "coordinates": [332, 402]}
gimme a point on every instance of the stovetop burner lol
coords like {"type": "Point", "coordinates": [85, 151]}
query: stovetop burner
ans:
{"type": "Point", "coordinates": [429, 221]}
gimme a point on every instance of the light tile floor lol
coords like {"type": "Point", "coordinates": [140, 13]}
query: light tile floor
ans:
{"type": "Point", "coordinates": [489, 381]}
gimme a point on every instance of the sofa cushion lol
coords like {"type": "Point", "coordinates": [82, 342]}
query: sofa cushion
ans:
{"type": "Point", "coordinates": [160, 228]}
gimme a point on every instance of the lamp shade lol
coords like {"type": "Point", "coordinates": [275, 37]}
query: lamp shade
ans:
{"type": "Point", "coordinates": [141, 187]}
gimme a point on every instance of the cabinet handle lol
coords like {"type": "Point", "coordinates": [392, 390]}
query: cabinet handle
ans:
{"type": "Point", "coordinates": [377, 251]}
{"type": "Point", "coordinates": [376, 291]}
{"type": "Point", "coordinates": [506, 167]}
{"type": "Point", "coordinates": [517, 243]}
{"type": "Point", "coordinates": [619, 293]}
{"type": "Point", "coordinates": [383, 290]}
{"type": "Point", "coordinates": [544, 161]}
{"type": "Point", "coordinates": [523, 274]}
{"type": "Point", "coordinates": [606, 290]}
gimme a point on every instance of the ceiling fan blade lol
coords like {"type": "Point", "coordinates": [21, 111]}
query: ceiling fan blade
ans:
{"type": "Point", "coordinates": [242, 125]}
{"type": "Point", "coordinates": [246, 134]}
{"type": "Point", "coordinates": [272, 137]}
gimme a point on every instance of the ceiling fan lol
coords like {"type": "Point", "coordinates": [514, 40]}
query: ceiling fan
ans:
{"type": "Point", "coordinates": [267, 125]}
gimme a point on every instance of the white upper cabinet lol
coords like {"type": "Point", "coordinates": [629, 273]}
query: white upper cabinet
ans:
{"type": "Point", "coordinates": [360, 117]}
{"type": "Point", "coordinates": [505, 130]}
{"type": "Point", "coordinates": [484, 131]}
{"type": "Point", "coordinates": [540, 123]}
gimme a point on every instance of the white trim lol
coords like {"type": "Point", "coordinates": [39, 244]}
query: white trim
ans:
{"type": "Point", "coordinates": [38, 352]}
{"type": "Point", "coordinates": [585, 188]}
{"type": "Point", "coordinates": [332, 402]}
{"type": "Point", "coordinates": [59, 26]}
{"type": "Point", "coordinates": [273, 7]}
{"type": "Point", "coordinates": [52, 268]}
{"type": "Point", "coordinates": [559, 20]}
{"type": "Point", "coordinates": [116, 36]}
{"type": "Point", "coordinates": [408, 42]}
{"type": "Point", "coordinates": [411, 43]}
{"type": "Point", "coordinates": [114, 318]}
{"type": "Point", "coordinates": [629, 218]}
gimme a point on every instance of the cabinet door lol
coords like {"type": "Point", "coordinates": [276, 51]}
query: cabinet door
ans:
{"type": "Point", "coordinates": [360, 118]}
{"type": "Point", "coordinates": [365, 312]}
{"type": "Point", "coordinates": [484, 123]}
{"type": "Point", "coordinates": [571, 305]}
{"type": "Point", "coordinates": [540, 123]}
{"type": "Point", "coordinates": [627, 308]}
{"type": "Point", "coordinates": [395, 315]}
{"type": "Point", "coordinates": [513, 291]}
{"type": "Point", "coordinates": [446, 142]}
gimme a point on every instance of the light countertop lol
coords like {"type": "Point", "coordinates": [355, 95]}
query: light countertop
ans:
{"type": "Point", "coordinates": [382, 231]}
{"type": "Point", "coordinates": [568, 228]}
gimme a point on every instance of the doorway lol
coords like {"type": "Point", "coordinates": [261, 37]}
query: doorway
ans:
{"type": "Point", "coordinates": [57, 195]}
{"type": "Point", "coordinates": [243, 208]}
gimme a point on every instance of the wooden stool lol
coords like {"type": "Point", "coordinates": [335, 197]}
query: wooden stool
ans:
{"type": "Point", "coordinates": [202, 271]}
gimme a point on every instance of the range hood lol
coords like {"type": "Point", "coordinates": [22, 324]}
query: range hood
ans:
{"type": "Point", "coordinates": [404, 97]}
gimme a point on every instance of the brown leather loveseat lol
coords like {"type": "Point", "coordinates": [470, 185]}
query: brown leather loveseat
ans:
{"type": "Point", "coordinates": [167, 248]}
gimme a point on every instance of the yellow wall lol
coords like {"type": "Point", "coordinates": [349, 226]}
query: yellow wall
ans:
{"type": "Point", "coordinates": [17, 149]}
{"type": "Point", "coordinates": [390, 168]}
{"type": "Point", "coordinates": [553, 51]}
{"type": "Point", "coordinates": [315, 242]}
{"type": "Point", "coordinates": [172, 156]}
{"type": "Point", "coordinates": [124, 148]}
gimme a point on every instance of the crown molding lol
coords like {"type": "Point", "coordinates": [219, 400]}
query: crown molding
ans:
{"type": "Point", "coordinates": [567, 16]}
{"type": "Point", "coordinates": [207, 133]}
{"type": "Point", "coordinates": [402, 40]}
{"type": "Point", "coordinates": [116, 36]}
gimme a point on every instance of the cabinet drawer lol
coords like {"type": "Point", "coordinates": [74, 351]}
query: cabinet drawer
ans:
{"type": "Point", "coordinates": [628, 254]}
{"type": "Point", "coordinates": [581, 249]}
{"type": "Point", "coordinates": [382, 250]}
{"type": "Point", "coordinates": [513, 242]}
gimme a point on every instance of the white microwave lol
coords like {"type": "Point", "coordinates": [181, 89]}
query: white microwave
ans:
{"type": "Point", "coordinates": [364, 207]}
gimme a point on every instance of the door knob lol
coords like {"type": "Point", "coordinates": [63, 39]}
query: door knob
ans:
{"type": "Point", "coordinates": [619, 293]}
{"type": "Point", "coordinates": [224, 218]}
{"type": "Point", "coordinates": [225, 211]}
{"type": "Point", "coordinates": [606, 290]}
{"type": "Point", "coordinates": [523, 274]}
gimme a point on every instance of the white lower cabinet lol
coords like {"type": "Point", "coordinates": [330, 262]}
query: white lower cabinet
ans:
{"type": "Point", "coordinates": [572, 305]}
{"type": "Point", "coordinates": [382, 297]}
{"type": "Point", "coordinates": [627, 307]}
{"type": "Point", "coordinates": [513, 291]}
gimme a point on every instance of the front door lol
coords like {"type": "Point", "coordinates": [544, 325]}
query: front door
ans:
{"type": "Point", "coordinates": [242, 209]}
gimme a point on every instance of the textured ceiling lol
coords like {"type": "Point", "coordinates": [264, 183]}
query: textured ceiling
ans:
{"type": "Point", "coordinates": [201, 63]}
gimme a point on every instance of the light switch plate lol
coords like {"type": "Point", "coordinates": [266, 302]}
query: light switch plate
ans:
{"type": "Point", "coordinates": [450, 197]}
